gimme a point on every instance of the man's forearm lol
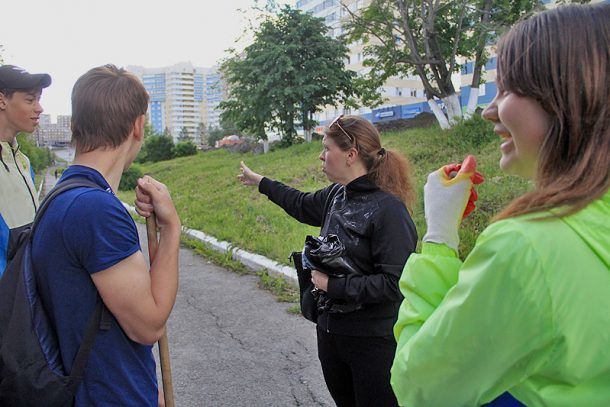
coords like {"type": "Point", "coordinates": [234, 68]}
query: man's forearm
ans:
{"type": "Point", "coordinates": [164, 271]}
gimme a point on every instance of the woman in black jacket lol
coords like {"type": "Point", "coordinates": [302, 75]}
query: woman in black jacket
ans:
{"type": "Point", "coordinates": [366, 207]}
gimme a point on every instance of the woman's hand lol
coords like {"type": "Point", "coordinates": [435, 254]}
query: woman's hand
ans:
{"type": "Point", "coordinates": [247, 176]}
{"type": "Point", "coordinates": [448, 197]}
{"type": "Point", "coordinates": [319, 280]}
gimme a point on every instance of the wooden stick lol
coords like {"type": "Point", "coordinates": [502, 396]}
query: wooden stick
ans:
{"type": "Point", "coordinates": [166, 370]}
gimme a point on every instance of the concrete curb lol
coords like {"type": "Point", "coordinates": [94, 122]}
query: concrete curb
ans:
{"type": "Point", "coordinates": [252, 261]}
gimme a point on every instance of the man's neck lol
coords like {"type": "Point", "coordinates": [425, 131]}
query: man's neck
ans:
{"type": "Point", "coordinates": [107, 161]}
{"type": "Point", "coordinates": [7, 133]}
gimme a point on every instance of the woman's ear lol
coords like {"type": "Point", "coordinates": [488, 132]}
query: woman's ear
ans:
{"type": "Point", "coordinates": [352, 156]}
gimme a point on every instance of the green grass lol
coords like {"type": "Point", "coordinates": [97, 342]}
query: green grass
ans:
{"type": "Point", "coordinates": [284, 290]}
{"type": "Point", "coordinates": [209, 197]}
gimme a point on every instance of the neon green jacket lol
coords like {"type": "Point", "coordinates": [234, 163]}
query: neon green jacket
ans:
{"type": "Point", "coordinates": [528, 311]}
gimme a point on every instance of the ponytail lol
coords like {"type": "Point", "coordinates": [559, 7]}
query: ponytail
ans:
{"type": "Point", "coordinates": [392, 172]}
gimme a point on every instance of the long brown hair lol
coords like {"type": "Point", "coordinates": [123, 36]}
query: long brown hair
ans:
{"type": "Point", "coordinates": [388, 169]}
{"type": "Point", "coordinates": [561, 58]}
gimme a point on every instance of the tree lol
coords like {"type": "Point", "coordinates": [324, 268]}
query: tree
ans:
{"type": "Point", "coordinates": [159, 148]}
{"type": "Point", "coordinates": [214, 135]}
{"type": "Point", "coordinates": [129, 179]}
{"type": "Point", "coordinates": [492, 18]}
{"type": "Point", "coordinates": [148, 130]}
{"type": "Point", "coordinates": [228, 127]}
{"type": "Point", "coordinates": [425, 38]}
{"type": "Point", "coordinates": [201, 133]}
{"type": "Point", "coordinates": [184, 148]}
{"type": "Point", "coordinates": [290, 71]}
{"type": "Point", "coordinates": [184, 134]}
{"type": "Point", "coordinates": [40, 158]}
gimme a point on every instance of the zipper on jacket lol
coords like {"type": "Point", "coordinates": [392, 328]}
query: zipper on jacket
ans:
{"type": "Point", "coordinates": [24, 179]}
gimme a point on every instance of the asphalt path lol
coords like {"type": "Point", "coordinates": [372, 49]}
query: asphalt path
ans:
{"type": "Point", "coordinates": [233, 344]}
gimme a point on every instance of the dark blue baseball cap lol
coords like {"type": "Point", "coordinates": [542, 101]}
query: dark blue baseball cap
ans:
{"type": "Point", "coordinates": [13, 77]}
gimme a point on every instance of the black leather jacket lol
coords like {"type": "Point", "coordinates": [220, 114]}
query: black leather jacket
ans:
{"type": "Point", "coordinates": [379, 235]}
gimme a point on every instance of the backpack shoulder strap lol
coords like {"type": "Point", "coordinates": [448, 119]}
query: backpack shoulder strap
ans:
{"type": "Point", "coordinates": [99, 321]}
{"type": "Point", "coordinates": [64, 186]}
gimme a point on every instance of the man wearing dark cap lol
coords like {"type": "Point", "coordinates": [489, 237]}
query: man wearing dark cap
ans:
{"type": "Point", "coordinates": [19, 112]}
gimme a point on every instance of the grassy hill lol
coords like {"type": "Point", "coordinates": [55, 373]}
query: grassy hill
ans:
{"type": "Point", "coordinates": [209, 197]}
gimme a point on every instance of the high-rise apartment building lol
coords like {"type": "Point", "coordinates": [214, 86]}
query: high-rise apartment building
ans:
{"type": "Point", "coordinates": [182, 98]}
{"type": "Point", "coordinates": [214, 94]}
{"type": "Point", "coordinates": [397, 91]}
{"type": "Point", "coordinates": [64, 121]}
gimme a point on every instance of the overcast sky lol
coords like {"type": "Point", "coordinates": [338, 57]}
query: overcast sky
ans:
{"type": "Point", "coordinates": [65, 38]}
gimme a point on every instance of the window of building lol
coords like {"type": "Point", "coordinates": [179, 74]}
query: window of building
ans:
{"type": "Point", "coordinates": [330, 18]}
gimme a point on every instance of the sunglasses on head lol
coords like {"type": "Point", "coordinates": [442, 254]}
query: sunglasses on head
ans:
{"type": "Point", "coordinates": [336, 121]}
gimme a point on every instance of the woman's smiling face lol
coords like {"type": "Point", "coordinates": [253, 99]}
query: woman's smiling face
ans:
{"type": "Point", "coordinates": [523, 124]}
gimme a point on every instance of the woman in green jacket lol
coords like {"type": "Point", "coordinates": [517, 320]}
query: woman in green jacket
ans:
{"type": "Point", "coordinates": [528, 311]}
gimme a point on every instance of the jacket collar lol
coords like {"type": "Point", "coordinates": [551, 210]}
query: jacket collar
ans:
{"type": "Point", "coordinates": [361, 184]}
{"type": "Point", "coordinates": [8, 147]}
{"type": "Point", "coordinates": [7, 150]}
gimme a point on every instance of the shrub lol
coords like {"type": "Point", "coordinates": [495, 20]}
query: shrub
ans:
{"type": "Point", "coordinates": [185, 148]}
{"type": "Point", "coordinates": [474, 132]}
{"type": "Point", "coordinates": [129, 180]}
{"type": "Point", "coordinates": [159, 148]}
{"type": "Point", "coordinates": [141, 157]}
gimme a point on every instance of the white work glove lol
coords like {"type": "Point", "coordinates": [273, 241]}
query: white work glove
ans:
{"type": "Point", "coordinates": [449, 196]}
